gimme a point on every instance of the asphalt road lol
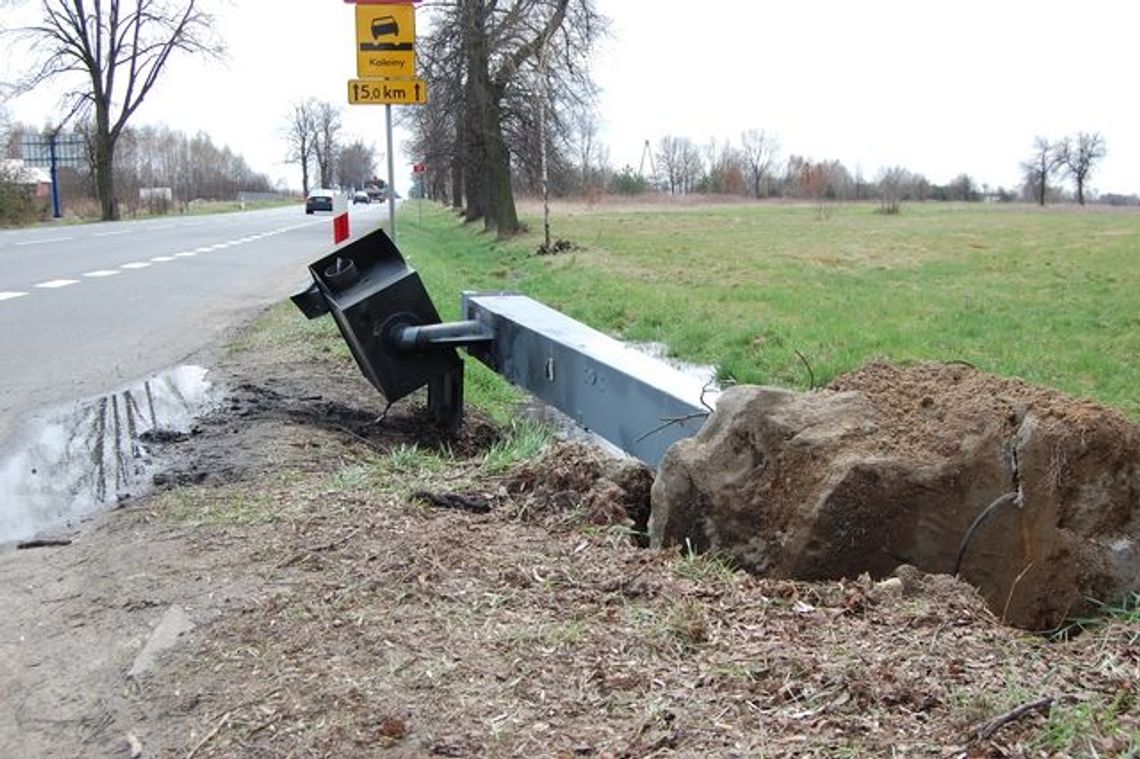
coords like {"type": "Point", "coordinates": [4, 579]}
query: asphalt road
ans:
{"type": "Point", "coordinates": [85, 309]}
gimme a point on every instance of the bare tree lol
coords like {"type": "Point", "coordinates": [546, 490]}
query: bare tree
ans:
{"type": "Point", "coordinates": [326, 127]}
{"type": "Point", "coordinates": [584, 138]}
{"type": "Point", "coordinates": [758, 152]}
{"type": "Point", "coordinates": [356, 164]}
{"type": "Point", "coordinates": [892, 183]}
{"type": "Point", "coordinates": [488, 52]}
{"type": "Point", "coordinates": [437, 131]}
{"type": "Point", "coordinates": [724, 174]}
{"type": "Point", "coordinates": [299, 134]}
{"type": "Point", "coordinates": [691, 165]}
{"type": "Point", "coordinates": [670, 158]}
{"type": "Point", "coordinates": [1080, 157]}
{"type": "Point", "coordinates": [1040, 167]}
{"type": "Point", "coordinates": [114, 51]}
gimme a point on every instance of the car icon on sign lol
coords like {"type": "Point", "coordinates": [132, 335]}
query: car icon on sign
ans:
{"type": "Point", "coordinates": [383, 26]}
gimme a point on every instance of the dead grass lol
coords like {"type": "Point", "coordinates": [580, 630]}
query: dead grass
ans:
{"type": "Point", "coordinates": [377, 624]}
{"type": "Point", "coordinates": [389, 626]}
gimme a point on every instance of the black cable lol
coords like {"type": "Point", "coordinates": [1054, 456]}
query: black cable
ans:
{"type": "Point", "coordinates": [978, 521]}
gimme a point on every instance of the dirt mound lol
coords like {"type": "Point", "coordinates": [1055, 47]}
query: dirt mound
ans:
{"type": "Point", "coordinates": [574, 482]}
{"type": "Point", "coordinates": [929, 408]}
{"type": "Point", "coordinates": [1029, 495]}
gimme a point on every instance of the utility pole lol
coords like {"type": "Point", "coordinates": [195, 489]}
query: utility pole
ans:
{"type": "Point", "coordinates": [542, 94]}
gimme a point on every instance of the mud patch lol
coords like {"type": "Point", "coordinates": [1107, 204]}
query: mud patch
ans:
{"type": "Point", "coordinates": [230, 443]}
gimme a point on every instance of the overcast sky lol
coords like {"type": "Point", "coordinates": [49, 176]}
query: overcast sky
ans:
{"type": "Point", "coordinates": [940, 88]}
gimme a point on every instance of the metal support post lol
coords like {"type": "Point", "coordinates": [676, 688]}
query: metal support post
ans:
{"type": "Point", "coordinates": [55, 210]}
{"type": "Point", "coordinates": [639, 403]}
{"type": "Point", "coordinates": [391, 176]}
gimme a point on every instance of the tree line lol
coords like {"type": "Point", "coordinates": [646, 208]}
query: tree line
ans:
{"type": "Point", "coordinates": [313, 136]}
{"type": "Point", "coordinates": [752, 168]}
{"type": "Point", "coordinates": [155, 168]}
{"type": "Point", "coordinates": [512, 109]}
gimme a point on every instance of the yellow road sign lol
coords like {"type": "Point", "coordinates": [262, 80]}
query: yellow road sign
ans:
{"type": "Point", "coordinates": [387, 91]}
{"type": "Point", "coordinates": [386, 40]}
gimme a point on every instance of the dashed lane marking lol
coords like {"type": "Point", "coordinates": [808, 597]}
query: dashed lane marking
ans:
{"type": "Point", "coordinates": [100, 273]}
{"type": "Point", "coordinates": [43, 240]}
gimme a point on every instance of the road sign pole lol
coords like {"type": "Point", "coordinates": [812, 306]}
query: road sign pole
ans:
{"type": "Point", "coordinates": [55, 212]}
{"type": "Point", "coordinates": [391, 175]}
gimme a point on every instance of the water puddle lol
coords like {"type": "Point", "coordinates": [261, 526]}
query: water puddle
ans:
{"type": "Point", "coordinates": [73, 460]}
{"type": "Point", "coordinates": [706, 373]}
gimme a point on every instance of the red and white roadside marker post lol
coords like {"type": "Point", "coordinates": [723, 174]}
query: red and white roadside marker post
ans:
{"type": "Point", "coordinates": [340, 218]}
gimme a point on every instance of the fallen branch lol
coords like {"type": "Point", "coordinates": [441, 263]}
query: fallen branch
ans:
{"type": "Point", "coordinates": [476, 504]}
{"type": "Point", "coordinates": [669, 421]}
{"type": "Point", "coordinates": [43, 543]}
{"type": "Point", "coordinates": [213, 731]}
{"type": "Point", "coordinates": [987, 729]}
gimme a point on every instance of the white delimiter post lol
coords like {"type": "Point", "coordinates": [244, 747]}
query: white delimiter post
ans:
{"type": "Point", "coordinates": [391, 176]}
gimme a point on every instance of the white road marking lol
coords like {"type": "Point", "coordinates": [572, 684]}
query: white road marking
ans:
{"type": "Point", "coordinates": [57, 283]}
{"type": "Point", "coordinates": [164, 226]}
{"type": "Point", "coordinates": [43, 240]}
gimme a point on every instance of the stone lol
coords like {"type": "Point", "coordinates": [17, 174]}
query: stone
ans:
{"type": "Point", "coordinates": [1027, 494]}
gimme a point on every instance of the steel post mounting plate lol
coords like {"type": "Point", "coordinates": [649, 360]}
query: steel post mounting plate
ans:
{"type": "Point", "coordinates": [369, 290]}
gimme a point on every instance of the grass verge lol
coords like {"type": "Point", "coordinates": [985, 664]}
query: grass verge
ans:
{"type": "Point", "coordinates": [771, 294]}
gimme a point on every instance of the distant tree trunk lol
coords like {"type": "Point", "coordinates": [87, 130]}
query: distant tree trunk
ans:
{"type": "Point", "coordinates": [104, 150]}
{"type": "Point", "coordinates": [502, 216]}
{"type": "Point", "coordinates": [457, 179]}
{"type": "Point", "coordinates": [474, 164]}
{"type": "Point", "coordinates": [476, 153]}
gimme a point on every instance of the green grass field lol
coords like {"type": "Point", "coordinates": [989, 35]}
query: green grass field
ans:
{"type": "Point", "coordinates": [1051, 296]}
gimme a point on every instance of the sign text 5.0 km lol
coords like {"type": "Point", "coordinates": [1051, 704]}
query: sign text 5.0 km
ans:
{"type": "Point", "coordinates": [387, 91]}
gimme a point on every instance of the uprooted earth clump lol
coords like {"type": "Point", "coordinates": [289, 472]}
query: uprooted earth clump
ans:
{"type": "Point", "coordinates": [575, 483]}
{"type": "Point", "coordinates": [1031, 496]}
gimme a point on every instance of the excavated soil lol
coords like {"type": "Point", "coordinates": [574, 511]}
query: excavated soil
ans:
{"type": "Point", "coordinates": [337, 611]}
{"type": "Point", "coordinates": [932, 407]}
